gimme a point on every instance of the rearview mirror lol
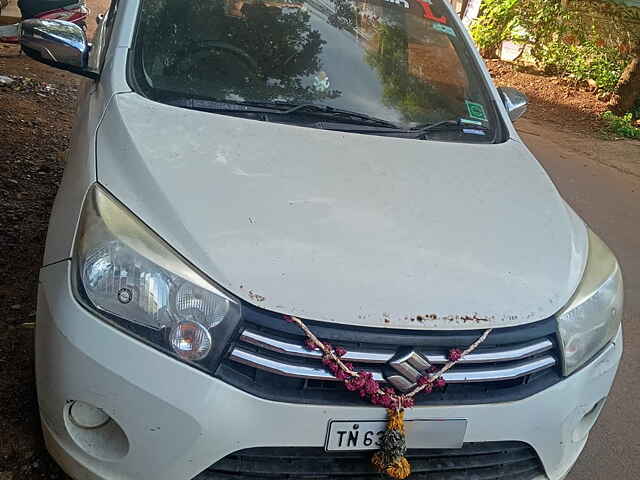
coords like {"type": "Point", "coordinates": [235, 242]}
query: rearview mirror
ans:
{"type": "Point", "coordinates": [514, 101]}
{"type": "Point", "coordinates": [57, 43]}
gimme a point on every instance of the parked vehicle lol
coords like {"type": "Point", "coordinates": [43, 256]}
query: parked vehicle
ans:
{"type": "Point", "coordinates": [348, 163]}
{"type": "Point", "coordinates": [67, 10]}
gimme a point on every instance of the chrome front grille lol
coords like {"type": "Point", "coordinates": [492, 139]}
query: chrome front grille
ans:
{"type": "Point", "coordinates": [506, 363]}
{"type": "Point", "coordinates": [268, 358]}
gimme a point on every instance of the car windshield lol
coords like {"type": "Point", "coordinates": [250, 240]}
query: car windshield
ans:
{"type": "Point", "coordinates": [402, 61]}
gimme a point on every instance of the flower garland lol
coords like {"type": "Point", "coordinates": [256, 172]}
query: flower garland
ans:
{"type": "Point", "coordinates": [390, 459]}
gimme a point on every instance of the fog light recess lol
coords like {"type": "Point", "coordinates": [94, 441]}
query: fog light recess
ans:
{"type": "Point", "coordinates": [95, 432]}
{"type": "Point", "coordinates": [87, 416]}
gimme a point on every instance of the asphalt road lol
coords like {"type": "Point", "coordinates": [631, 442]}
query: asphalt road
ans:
{"type": "Point", "coordinates": [608, 199]}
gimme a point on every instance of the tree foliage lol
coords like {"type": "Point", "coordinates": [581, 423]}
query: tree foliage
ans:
{"type": "Point", "coordinates": [589, 39]}
{"type": "Point", "coordinates": [495, 25]}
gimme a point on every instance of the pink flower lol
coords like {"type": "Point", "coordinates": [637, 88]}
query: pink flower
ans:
{"type": "Point", "coordinates": [348, 365]}
{"type": "Point", "coordinates": [331, 365]}
{"type": "Point", "coordinates": [309, 345]}
{"type": "Point", "coordinates": [339, 351]}
{"type": "Point", "coordinates": [408, 402]}
{"type": "Point", "coordinates": [342, 375]}
{"type": "Point", "coordinates": [371, 386]}
{"type": "Point", "coordinates": [440, 383]}
{"type": "Point", "coordinates": [455, 354]}
{"type": "Point", "coordinates": [354, 383]}
{"type": "Point", "coordinates": [427, 384]}
{"type": "Point", "coordinates": [389, 402]}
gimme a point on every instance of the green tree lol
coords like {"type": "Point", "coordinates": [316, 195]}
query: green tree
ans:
{"type": "Point", "coordinates": [627, 92]}
{"type": "Point", "coordinates": [588, 39]}
{"type": "Point", "coordinates": [494, 25]}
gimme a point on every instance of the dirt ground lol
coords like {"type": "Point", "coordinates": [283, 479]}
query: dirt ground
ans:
{"type": "Point", "coordinates": [554, 100]}
{"type": "Point", "coordinates": [35, 122]}
{"type": "Point", "coordinates": [36, 113]}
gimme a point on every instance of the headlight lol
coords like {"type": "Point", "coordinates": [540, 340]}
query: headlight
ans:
{"type": "Point", "coordinates": [593, 315]}
{"type": "Point", "coordinates": [131, 276]}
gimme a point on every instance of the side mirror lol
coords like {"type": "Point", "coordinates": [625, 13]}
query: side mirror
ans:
{"type": "Point", "coordinates": [514, 101]}
{"type": "Point", "coordinates": [57, 43]}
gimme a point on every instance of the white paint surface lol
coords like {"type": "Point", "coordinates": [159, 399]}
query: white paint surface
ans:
{"type": "Point", "coordinates": [348, 228]}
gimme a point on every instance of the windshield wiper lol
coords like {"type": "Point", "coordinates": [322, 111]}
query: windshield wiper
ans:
{"type": "Point", "coordinates": [332, 112]}
{"type": "Point", "coordinates": [446, 125]}
{"type": "Point", "coordinates": [218, 105]}
{"type": "Point", "coordinates": [277, 108]}
{"type": "Point", "coordinates": [351, 119]}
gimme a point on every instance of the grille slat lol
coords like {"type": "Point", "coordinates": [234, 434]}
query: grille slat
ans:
{"type": "Point", "coordinates": [481, 461]}
{"type": "Point", "coordinates": [296, 349]}
{"type": "Point", "coordinates": [497, 373]}
{"type": "Point", "coordinates": [268, 359]}
{"type": "Point", "coordinates": [495, 355]}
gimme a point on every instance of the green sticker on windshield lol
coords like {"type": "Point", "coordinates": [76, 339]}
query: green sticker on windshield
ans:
{"type": "Point", "coordinates": [476, 110]}
{"type": "Point", "coordinates": [444, 29]}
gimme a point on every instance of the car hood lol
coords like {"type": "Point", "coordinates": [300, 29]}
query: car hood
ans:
{"type": "Point", "coordinates": [348, 228]}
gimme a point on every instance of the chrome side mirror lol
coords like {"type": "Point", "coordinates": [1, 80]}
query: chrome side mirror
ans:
{"type": "Point", "coordinates": [514, 101]}
{"type": "Point", "coordinates": [57, 43]}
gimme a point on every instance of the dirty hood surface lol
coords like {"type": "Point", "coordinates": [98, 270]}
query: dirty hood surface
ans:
{"type": "Point", "coordinates": [348, 228]}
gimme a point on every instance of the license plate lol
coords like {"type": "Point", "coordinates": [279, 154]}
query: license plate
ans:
{"type": "Point", "coordinates": [365, 435]}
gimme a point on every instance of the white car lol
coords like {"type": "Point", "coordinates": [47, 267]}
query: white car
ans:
{"type": "Point", "coordinates": [349, 163]}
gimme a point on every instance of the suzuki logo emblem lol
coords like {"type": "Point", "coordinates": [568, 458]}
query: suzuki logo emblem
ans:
{"type": "Point", "coordinates": [409, 366]}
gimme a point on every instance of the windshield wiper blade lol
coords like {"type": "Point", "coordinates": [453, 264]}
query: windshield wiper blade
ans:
{"type": "Point", "coordinates": [333, 112]}
{"type": "Point", "coordinates": [277, 108]}
{"type": "Point", "coordinates": [447, 125]}
{"type": "Point", "coordinates": [365, 128]}
{"type": "Point", "coordinates": [218, 105]}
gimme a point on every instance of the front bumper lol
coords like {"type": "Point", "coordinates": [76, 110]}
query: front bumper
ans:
{"type": "Point", "coordinates": [178, 421]}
